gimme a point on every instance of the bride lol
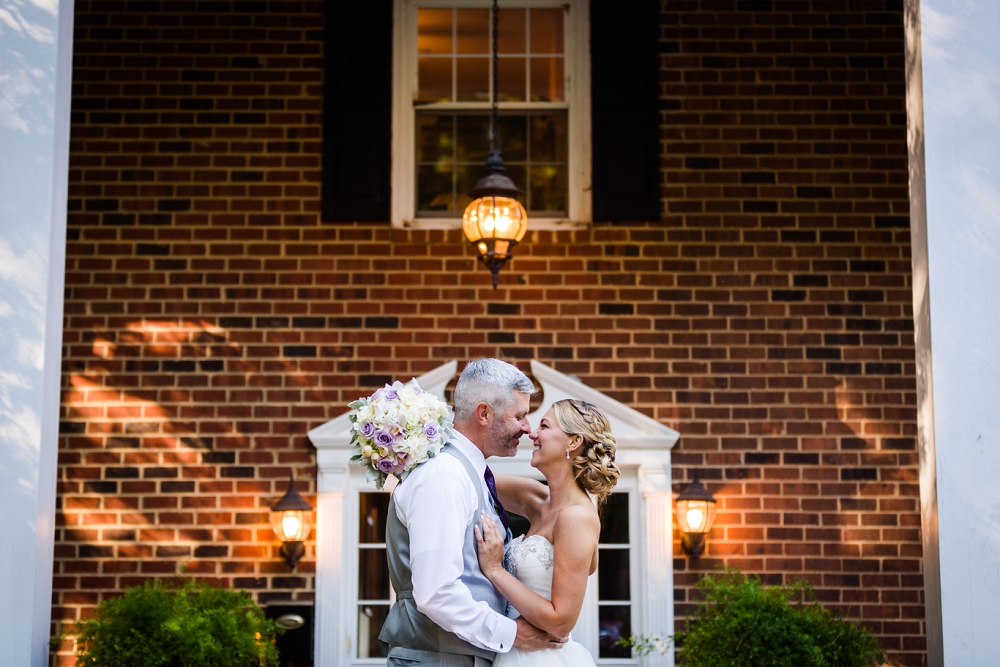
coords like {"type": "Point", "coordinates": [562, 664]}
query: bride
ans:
{"type": "Point", "coordinates": [575, 451]}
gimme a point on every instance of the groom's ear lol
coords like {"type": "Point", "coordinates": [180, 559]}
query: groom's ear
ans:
{"type": "Point", "coordinates": [483, 412]}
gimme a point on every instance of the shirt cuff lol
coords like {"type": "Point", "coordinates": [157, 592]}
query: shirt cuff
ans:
{"type": "Point", "coordinates": [503, 638]}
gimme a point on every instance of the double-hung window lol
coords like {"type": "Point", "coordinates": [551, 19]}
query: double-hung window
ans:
{"type": "Point", "coordinates": [442, 73]}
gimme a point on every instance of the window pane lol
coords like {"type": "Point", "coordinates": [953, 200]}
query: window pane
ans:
{"type": "Point", "coordinates": [547, 30]}
{"type": "Point", "coordinates": [373, 575]}
{"type": "Point", "coordinates": [511, 79]}
{"type": "Point", "coordinates": [434, 139]}
{"type": "Point", "coordinates": [473, 139]}
{"type": "Point", "coordinates": [614, 520]}
{"type": "Point", "coordinates": [512, 31]}
{"type": "Point", "coordinates": [516, 173]}
{"type": "Point", "coordinates": [434, 75]}
{"type": "Point", "coordinates": [433, 31]}
{"type": "Point", "coordinates": [612, 575]}
{"type": "Point", "coordinates": [548, 138]}
{"type": "Point", "coordinates": [615, 622]}
{"type": "Point", "coordinates": [472, 31]}
{"type": "Point", "coordinates": [434, 188]}
{"type": "Point", "coordinates": [374, 507]}
{"type": "Point", "coordinates": [548, 186]}
{"type": "Point", "coordinates": [472, 82]}
{"type": "Point", "coordinates": [547, 80]}
{"type": "Point", "coordinates": [370, 621]}
{"type": "Point", "coordinates": [451, 161]}
{"type": "Point", "coordinates": [513, 136]}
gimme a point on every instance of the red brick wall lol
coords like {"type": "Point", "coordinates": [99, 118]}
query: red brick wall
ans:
{"type": "Point", "coordinates": [211, 319]}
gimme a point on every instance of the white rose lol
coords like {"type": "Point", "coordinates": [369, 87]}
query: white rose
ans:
{"type": "Point", "coordinates": [366, 451]}
{"type": "Point", "coordinates": [412, 416]}
{"type": "Point", "coordinates": [418, 445]}
{"type": "Point", "coordinates": [408, 396]}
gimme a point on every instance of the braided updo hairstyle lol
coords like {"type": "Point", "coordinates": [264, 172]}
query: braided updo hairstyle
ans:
{"type": "Point", "coordinates": [594, 465]}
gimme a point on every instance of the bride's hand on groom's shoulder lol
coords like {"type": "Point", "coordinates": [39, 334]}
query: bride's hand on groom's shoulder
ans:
{"type": "Point", "coordinates": [490, 547]}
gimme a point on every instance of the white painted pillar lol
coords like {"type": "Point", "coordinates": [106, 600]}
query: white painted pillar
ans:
{"type": "Point", "coordinates": [36, 40]}
{"type": "Point", "coordinates": [953, 109]}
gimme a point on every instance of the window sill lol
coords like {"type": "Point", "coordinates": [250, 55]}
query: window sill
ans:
{"type": "Point", "coordinates": [534, 224]}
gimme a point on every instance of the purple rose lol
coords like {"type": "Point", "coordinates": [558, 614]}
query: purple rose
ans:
{"type": "Point", "coordinates": [384, 438]}
{"type": "Point", "coordinates": [431, 430]}
{"type": "Point", "coordinates": [387, 464]}
{"type": "Point", "coordinates": [391, 394]}
{"type": "Point", "coordinates": [367, 430]}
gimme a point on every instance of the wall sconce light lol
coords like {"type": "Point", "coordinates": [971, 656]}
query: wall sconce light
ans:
{"type": "Point", "coordinates": [695, 516]}
{"type": "Point", "coordinates": [290, 521]}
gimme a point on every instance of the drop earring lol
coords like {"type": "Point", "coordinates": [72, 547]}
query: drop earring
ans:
{"type": "Point", "coordinates": [567, 455]}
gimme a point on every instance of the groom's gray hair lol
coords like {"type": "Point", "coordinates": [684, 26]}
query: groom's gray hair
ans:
{"type": "Point", "coordinates": [489, 381]}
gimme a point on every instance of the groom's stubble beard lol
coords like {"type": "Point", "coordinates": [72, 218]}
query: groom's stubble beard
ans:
{"type": "Point", "coordinates": [505, 439]}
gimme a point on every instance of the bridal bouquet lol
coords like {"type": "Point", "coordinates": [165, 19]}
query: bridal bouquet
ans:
{"type": "Point", "coordinates": [396, 429]}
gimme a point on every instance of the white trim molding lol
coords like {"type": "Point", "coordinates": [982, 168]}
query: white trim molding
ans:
{"type": "Point", "coordinates": [643, 455]}
{"type": "Point", "coordinates": [404, 89]}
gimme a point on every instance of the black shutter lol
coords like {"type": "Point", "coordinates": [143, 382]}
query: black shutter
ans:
{"type": "Point", "coordinates": [626, 123]}
{"type": "Point", "coordinates": [357, 110]}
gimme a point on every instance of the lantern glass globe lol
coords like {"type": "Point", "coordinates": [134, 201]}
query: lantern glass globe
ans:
{"type": "Point", "coordinates": [501, 218]}
{"type": "Point", "coordinates": [695, 517]}
{"type": "Point", "coordinates": [290, 525]}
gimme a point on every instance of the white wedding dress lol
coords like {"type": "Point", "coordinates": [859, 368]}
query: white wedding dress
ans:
{"type": "Point", "coordinates": [531, 561]}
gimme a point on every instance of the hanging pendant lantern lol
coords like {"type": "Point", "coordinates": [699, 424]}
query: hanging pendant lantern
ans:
{"type": "Point", "coordinates": [495, 221]}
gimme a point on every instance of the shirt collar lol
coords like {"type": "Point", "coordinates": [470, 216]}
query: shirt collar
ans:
{"type": "Point", "coordinates": [471, 452]}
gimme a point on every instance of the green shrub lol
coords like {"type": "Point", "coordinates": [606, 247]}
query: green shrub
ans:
{"type": "Point", "coordinates": [195, 625]}
{"type": "Point", "coordinates": [743, 623]}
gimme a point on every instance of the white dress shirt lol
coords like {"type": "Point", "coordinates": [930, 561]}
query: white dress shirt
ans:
{"type": "Point", "coordinates": [437, 506]}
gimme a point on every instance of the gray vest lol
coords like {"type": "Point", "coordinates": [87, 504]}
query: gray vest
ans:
{"type": "Point", "coordinates": [406, 626]}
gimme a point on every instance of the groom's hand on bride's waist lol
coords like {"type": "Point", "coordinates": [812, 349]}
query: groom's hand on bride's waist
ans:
{"type": "Point", "coordinates": [530, 638]}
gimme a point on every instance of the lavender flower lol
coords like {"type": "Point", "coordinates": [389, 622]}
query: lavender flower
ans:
{"type": "Point", "coordinates": [384, 438]}
{"type": "Point", "coordinates": [367, 430]}
{"type": "Point", "coordinates": [387, 464]}
{"type": "Point", "coordinates": [431, 430]}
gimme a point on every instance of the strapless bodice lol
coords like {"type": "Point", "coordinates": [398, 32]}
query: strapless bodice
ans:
{"type": "Point", "coordinates": [531, 559]}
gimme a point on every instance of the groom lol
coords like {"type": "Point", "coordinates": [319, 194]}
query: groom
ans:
{"type": "Point", "coordinates": [447, 614]}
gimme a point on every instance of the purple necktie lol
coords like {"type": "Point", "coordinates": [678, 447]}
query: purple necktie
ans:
{"type": "Point", "coordinates": [492, 486]}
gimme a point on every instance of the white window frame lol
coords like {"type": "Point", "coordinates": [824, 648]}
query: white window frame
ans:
{"type": "Point", "coordinates": [628, 485]}
{"type": "Point", "coordinates": [404, 91]}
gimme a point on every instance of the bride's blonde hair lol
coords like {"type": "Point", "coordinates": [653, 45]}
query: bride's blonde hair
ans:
{"type": "Point", "coordinates": [594, 465]}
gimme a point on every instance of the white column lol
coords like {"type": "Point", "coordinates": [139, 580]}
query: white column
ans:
{"type": "Point", "coordinates": [36, 40]}
{"type": "Point", "coordinates": [658, 616]}
{"type": "Point", "coordinates": [953, 109]}
{"type": "Point", "coordinates": [329, 569]}
{"type": "Point", "coordinates": [330, 632]}
{"type": "Point", "coordinates": [658, 559]}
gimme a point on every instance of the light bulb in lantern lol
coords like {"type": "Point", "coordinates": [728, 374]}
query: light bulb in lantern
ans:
{"type": "Point", "coordinates": [695, 517]}
{"type": "Point", "coordinates": [290, 525]}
